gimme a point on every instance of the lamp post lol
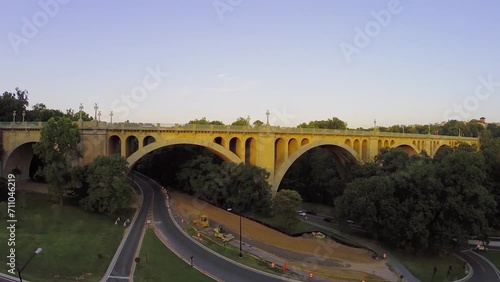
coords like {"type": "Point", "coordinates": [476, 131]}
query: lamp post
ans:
{"type": "Point", "coordinates": [95, 110]}
{"type": "Point", "coordinates": [24, 114]}
{"type": "Point", "coordinates": [267, 114]}
{"type": "Point", "coordinates": [39, 250]}
{"type": "Point", "coordinates": [99, 114]}
{"type": "Point", "coordinates": [241, 254]}
{"type": "Point", "coordinates": [14, 116]}
{"type": "Point", "coordinates": [231, 209]}
{"type": "Point", "coordinates": [81, 109]}
{"type": "Point", "coordinates": [111, 115]}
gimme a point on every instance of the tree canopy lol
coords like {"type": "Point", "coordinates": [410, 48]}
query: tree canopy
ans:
{"type": "Point", "coordinates": [58, 148]}
{"type": "Point", "coordinates": [109, 189]}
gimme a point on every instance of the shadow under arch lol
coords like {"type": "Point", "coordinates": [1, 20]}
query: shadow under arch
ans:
{"type": "Point", "coordinates": [440, 147]}
{"type": "Point", "coordinates": [278, 176]}
{"type": "Point", "coordinates": [217, 149]}
{"type": "Point", "coordinates": [408, 148]}
{"type": "Point", "coordinates": [7, 164]}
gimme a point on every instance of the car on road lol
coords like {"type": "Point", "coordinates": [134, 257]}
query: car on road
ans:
{"type": "Point", "coordinates": [301, 213]}
{"type": "Point", "coordinates": [328, 219]}
{"type": "Point", "coordinates": [311, 212]}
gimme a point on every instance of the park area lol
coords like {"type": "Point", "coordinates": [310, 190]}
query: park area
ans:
{"type": "Point", "coordinates": [158, 263]}
{"type": "Point", "coordinates": [355, 263]}
{"type": "Point", "coordinates": [76, 245]}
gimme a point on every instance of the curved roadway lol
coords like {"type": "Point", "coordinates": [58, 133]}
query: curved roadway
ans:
{"type": "Point", "coordinates": [482, 270]}
{"type": "Point", "coordinates": [204, 259]}
{"type": "Point", "coordinates": [120, 267]}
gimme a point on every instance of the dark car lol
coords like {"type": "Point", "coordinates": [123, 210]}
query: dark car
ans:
{"type": "Point", "coordinates": [311, 212]}
{"type": "Point", "coordinates": [328, 219]}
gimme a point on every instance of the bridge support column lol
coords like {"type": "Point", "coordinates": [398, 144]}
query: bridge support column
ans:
{"type": "Point", "coordinates": [265, 154]}
{"type": "Point", "coordinates": [123, 147]}
{"type": "Point", "coordinates": [372, 148]}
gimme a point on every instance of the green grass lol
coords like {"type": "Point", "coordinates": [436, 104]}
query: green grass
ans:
{"type": "Point", "coordinates": [422, 266]}
{"type": "Point", "coordinates": [320, 209]}
{"type": "Point", "coordinates": [493, 256]}
{"type": "Point", "coordinates": [301, 227]}
{"type": "Point", "coordinates": [158, 263]}
{"type": "Point", "coordinates": [71, 240]}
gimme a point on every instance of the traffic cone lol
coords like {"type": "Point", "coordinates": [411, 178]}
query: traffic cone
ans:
{"type": "Point", "coordinates": [199, 235]}
{"type": "Point", "coordinates": [272, 265]}
{"type": "Point", "coordinates": [311, 275]}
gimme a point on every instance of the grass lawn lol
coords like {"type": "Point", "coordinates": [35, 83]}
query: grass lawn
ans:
{"type": "Point", "coordinates": [301, 227]}
{"type": "Point", "coordinates": [320, 209]}
{"type": "Point", "coordinates": [493, 256]}
{"type": "Point", "coordinates": [423, 266]}
{"type": "Point", "coordinates": [71, 239]}
{"type": "Point", "coordinates": [158, 263]}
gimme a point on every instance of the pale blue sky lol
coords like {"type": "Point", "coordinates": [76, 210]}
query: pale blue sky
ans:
{"type": "Point", "coordinates": [258, 55]}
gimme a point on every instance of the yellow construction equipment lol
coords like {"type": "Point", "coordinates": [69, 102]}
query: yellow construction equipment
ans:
{"type": "Point", "coordinates": [202, 221]}
{"type": "Point", "coordinates": [219, 232]}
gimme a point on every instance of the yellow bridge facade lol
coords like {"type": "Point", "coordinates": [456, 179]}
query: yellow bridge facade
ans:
{"type": "Point", "coordinates": [269, 147]}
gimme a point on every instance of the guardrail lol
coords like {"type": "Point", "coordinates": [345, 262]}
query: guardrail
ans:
{"type": "Point", "coordinates": [232, 128]}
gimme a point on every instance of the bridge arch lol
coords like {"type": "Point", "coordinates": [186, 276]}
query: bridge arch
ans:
{"type": "Point", "coordinates": [440, 146]}
{"type": "Point", "coordinates": [281, 171]}
{"type": "Point", "coordinates": [20, 157]}
{"type": "Point", "coordinates": [408, 148]}
{"type": "Point", "coordinates": [217, 149]}
{"type": "Point", "coordinates": [148, 140]}
{"type": "Point", "coordinates": [114, 145]}
{"type": "Point", "coordinates": [131, 145]}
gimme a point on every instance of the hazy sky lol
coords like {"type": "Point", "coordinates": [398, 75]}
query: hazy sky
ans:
{"type": "Point", "coordinates": [399, 62]}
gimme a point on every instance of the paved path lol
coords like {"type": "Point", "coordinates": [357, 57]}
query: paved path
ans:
{"type": "Point", "coordinates": [207, 261]}
{"type": "Point", "coordinates": [394, 262]}
{"type": "Point", "coordinates": [482, 270]}
{"type": "Point", "coordinates": [120, 267]}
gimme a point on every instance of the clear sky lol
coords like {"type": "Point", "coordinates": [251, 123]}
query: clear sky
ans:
{"type": "Point", "coordinates": [399, 62]}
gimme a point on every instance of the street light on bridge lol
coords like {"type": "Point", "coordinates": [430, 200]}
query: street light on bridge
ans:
{"type": "Point", "coordinates": [39, 250]}
{"type": "Point", "coordinates": [95, 110]}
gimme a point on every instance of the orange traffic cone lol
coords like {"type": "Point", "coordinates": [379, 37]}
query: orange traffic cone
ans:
{"type": "Point", "coordinates": [199, 235]}
{"type": "Point", "coordinates": [311, 275]}
{"type": "Point", "coordinates": [272, 265]}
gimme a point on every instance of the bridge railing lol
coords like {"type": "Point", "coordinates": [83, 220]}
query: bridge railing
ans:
{"type": "Point", "coordinates": [229, 128]}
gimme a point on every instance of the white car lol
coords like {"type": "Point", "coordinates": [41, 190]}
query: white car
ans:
{"type": "Point", "coordinates": [301, 213]}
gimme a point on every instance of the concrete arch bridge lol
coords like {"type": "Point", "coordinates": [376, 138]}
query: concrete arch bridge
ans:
{"type": "Point", "coordinates": [269, 147]}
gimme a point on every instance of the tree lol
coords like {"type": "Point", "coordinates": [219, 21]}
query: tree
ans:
{"type": "Point", "coordinates": [109, 190]}
{"type": "Point", "coordinates": [286, 203]}
{"type": "Point", "coordinates": [204, 120]}
{"type": "Point", "coordinates": [58, 149]}
{"type": "Point", "coordinates": [241, 121]}
{"type": "Point", "coordinates": [333, 123]}
{"type": "Point", "coordinates": [241, 187]}
{"type": "Point", "coordinates": [10, 102]}
{"type": "Point", "coordinates": [258, 123]}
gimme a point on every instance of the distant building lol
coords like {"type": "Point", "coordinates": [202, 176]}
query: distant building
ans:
{"type": "Point", "coordinates": [481, 121]}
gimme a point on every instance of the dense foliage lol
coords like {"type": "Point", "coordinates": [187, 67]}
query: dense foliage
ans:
{"type": "Point", "coordinates": [286, 203]}
{"type": "Point", "coordinates": [109, 190]}
{"type": "Point", "coordinates": [421, 204]}
{"type": "Point", "coordinates": [58, 148]}
{"type": "Point", "coordinates": [194, 170]}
